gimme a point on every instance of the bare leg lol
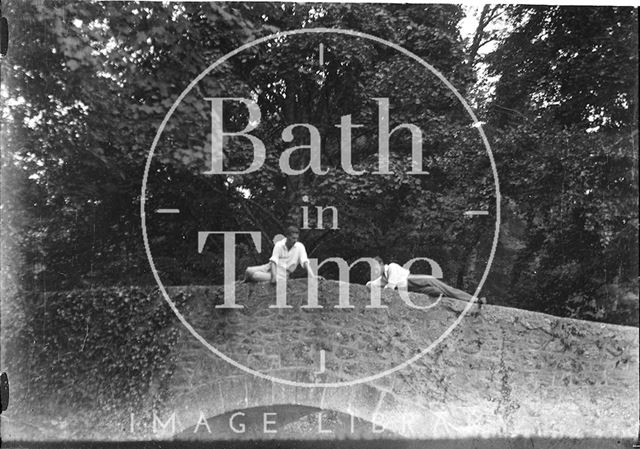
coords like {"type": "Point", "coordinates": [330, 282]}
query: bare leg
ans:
{"type": "Point", "coordinates": [260, 273]}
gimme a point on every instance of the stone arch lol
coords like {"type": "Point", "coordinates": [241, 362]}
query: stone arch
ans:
{"type": "Point", "coordinates": [283, 421]}
{"type": "Point", "coordinates": [364, 402]}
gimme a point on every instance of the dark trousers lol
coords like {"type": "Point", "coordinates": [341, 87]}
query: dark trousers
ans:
{"type": "Point", "coordinates": [429, 285]}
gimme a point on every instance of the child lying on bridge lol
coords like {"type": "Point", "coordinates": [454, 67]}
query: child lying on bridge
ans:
{"type": "Point", "coordinates": [393, 275]}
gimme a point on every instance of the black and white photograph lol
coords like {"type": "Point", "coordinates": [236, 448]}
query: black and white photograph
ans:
{"type": "Point", "coordinates": [316, 224]}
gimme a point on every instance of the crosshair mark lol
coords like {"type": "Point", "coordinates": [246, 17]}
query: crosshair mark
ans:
{"type": "Point", "coordinates": [322, 367]}
{"type": "Point", "coordinates": [360, 380]}
{"type": "Point", "coordinates": [167, 211]}
{"type": "Point", "coordinates": [471, 213]}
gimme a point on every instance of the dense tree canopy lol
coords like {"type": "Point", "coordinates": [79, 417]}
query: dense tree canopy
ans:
{"type": "Point", "coordinates": [560, 60]}
{"type": "Point", "coordinates": [565, 114]}
{"type": "Point", "coordinates": [86, 85]}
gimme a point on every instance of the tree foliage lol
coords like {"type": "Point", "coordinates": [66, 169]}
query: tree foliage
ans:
{"type": "Point", "coordinates": [576, 65]}
{"type": "Point", "coordinates": [564, 114]}
{"type": "Point", "coordinates": [88, 84]}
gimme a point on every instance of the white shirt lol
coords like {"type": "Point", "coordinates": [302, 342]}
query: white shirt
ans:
{"type": "Point", "coordinates": [289, 259]}
{"type": "Point", "coordinates": [393, 275]}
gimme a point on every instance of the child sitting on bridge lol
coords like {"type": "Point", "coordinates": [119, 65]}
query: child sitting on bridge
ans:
{"type": "Point", "coordinates": [287, 254]}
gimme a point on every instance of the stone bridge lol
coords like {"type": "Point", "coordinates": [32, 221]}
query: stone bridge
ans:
{"type": "Point", "coordinates": [502, 373]}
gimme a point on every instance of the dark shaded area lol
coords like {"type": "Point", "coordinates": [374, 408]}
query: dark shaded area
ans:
{"type": "Point", "coordinates": [4, 392]}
